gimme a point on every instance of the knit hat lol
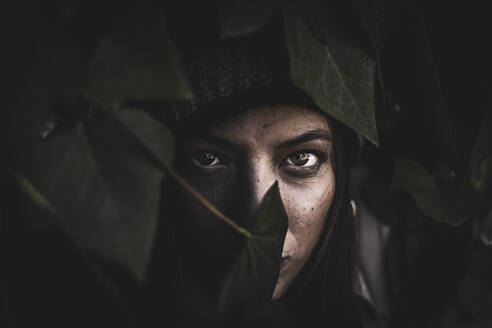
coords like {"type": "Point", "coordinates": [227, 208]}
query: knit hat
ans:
{"type": "Point", "coordinates": [229, 76]}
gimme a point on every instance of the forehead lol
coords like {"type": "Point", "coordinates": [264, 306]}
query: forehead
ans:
{"type": "Point", "coordinates": [269, 124]}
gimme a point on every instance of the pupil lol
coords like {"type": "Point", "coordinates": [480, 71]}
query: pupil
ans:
{"type": "Point", "coordinates": [206, 158]}
{"type": "Point", "coordinates": [300, 159]}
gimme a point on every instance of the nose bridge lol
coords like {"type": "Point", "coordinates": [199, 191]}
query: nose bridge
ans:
{"type": "Point", "coordinates": [261, 177]}
{"type": "Point", "coordinates": [256, 178]}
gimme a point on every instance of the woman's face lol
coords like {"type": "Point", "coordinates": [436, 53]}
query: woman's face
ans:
{"type": "Point", "coordinates": [234, 164]}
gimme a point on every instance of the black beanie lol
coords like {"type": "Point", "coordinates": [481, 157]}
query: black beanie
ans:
{"type": "Point", "coordinates": [229, 76]}
{"type": "Point", "coordinates": [248, 71]}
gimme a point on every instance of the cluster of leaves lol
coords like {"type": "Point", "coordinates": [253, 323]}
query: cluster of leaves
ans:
{"type": "Point", "coordinates": [103, 162]}
{"type": "Point", "coordinates": [445, 197]}
{"type": "Point", "coordinates": [98, 178]}
{"type": "Point", "coordinates": [103, 190]}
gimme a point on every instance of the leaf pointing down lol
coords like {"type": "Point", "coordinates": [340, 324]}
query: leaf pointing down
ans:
{"type": "Point", "coordinates": [337, 75]}
{"type": "Point", "coordinates": [107, 193]}
{"type": "Point", "coordinates": [250, 282]}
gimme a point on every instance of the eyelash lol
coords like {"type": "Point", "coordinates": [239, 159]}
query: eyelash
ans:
{"type": "Point", "coordinates": [321, 157]}
{"type": "Point", "coordinates": [218, 157]}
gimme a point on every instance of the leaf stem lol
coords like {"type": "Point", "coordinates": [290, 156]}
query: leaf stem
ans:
{"type": "Point", "coordinates": [172, 173]}
{"type": "Point", "coordinates": [185, 184]}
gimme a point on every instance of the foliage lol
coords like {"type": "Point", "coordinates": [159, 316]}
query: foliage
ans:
{"type": "Point", "coordinates": [339, 76]}
{"type": "Point", "coordinates": [253, 277]}
{"type": "Point", "coordinates": [81, 172]}
{"type": "Point", "coordinates": [102, 163]}
{"type": "Point", "coordinates": [444, 200]}
{"type": "Point", "coordinates": [141, 64]}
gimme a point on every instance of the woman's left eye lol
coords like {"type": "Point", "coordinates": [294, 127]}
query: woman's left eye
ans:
{"type": "Point", "coordinates": [302, 159]}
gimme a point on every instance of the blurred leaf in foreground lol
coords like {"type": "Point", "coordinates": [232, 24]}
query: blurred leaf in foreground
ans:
{"type": "Point", "coordinates": [106, 192]}
{"type": "Point", "coordinates": [249, 285]}
{"type": "Point", "coordinates": [337, 75]}
{"type": "Point", "coordinates": [138, 64]}
{"type": "Point", "coordinates": [451, 201]}
{"type": "Point", "coordinates": [43, 216]}
{"type": "Point", "coordinates": [481, 157]}
{"type": "Point", "coordinates": [483, 179]}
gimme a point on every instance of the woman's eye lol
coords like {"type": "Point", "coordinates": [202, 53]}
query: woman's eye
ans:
{"type": "Point", "coordinates": [302, 159]}
{"type": "Point", "coordinates": [206, 158]}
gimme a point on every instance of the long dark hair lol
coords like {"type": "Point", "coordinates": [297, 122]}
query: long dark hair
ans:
{"type": "Point", "coordinates": [325, 289]}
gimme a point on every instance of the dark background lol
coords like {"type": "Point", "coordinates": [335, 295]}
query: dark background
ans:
{"type": "Point", "coordinates": [45, 40]}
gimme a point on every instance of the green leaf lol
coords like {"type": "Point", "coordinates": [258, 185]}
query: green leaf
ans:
{"type": "Point", "coordinates": [451, 201]}
{"type": "Point", "coordinates": [240, 17]}
{"type": "Point", "coordinates": [105, 190]}
{"type": "Point", "coordinates": [140, 65]}
{"type": "Point", "coordinates": [483, 178]}
{"type": "Point", "coordinates": [44, 216]}
{"type": "Point", "coordinates": [250, 282]}
{"type": "Point", "coordinates": [481, 158]}
{"type": "Point", "coordinates": [337, 75]}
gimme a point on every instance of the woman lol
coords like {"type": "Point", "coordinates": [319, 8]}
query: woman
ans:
{"type": "Point", "coordinates": [246, 128]}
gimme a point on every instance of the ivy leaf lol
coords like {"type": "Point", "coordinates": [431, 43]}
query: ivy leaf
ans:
{"type": "Point", "coordinates": [451, 201]}
{"type": "Point", "coordinates": [41, 215]}
{"type": "Point", "coordinates": [107, 193]}
{"type": "Point", "coordinates": [239, 17]}
{"type": "Point", "coordinates": [483, 179]}
{"type": "Point", "coordinates": [140, 64]}
{"type": "Point", "coordinates": [337, 75]}
{"type": "Point", "coordinates": [481, 158]}
{"type": "Point", "coordinates": [371, 21]}
{"type": "Point", "coordinates": [251, 280]}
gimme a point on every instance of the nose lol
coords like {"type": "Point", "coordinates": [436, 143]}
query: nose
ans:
{"type": "Point", "coordinates": [253, 179]}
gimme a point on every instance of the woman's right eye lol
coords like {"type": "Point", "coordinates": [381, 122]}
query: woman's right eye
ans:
{"type": "Point", "coordinates": [207, 159]}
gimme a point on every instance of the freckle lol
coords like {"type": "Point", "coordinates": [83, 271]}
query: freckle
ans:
{"type": "Point", "coordinates": [312, 209]}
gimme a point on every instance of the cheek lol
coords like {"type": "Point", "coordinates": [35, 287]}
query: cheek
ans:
{"type": "Point", "coordinates": [307, 206]}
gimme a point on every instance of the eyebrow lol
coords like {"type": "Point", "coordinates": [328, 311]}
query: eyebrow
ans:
{"type": "Point", "coordinates": [318, 134]}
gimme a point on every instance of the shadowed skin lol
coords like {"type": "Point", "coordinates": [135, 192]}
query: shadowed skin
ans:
{"type": "Point", "coordinates": [235, 162]}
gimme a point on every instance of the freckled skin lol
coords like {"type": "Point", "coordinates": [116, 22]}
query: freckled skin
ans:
{"type": "Point", "coordinates": [255, 162]}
